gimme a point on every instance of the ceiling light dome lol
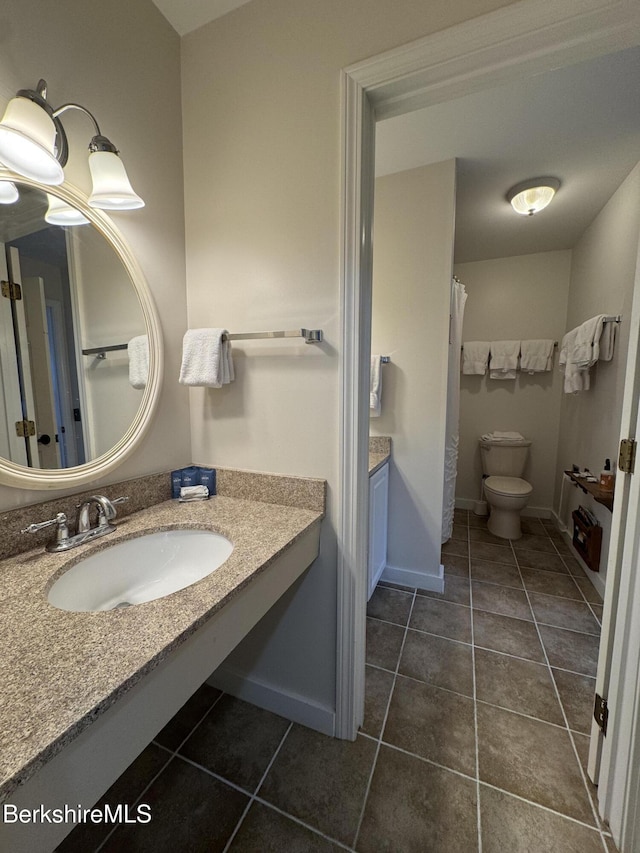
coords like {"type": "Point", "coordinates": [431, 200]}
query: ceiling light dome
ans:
{"type": "Point", "coordinates": [529, 197]}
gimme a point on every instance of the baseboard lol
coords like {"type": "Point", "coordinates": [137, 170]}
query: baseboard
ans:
{"type": "Point", "coordinates": [412, 577]}
{"type": "Point", "coordinates": [527, 512]}
{"type": "Point", "coordinates": [289, 705]}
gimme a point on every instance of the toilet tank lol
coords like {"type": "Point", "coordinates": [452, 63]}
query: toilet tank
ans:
{"type": "Point", "coordinates": [504, 459]}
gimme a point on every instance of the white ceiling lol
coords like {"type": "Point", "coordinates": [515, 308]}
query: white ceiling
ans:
{"type": "Point", "coordinates": [580, 124]}
{"type": "Point", "coordinates": [187, 15]}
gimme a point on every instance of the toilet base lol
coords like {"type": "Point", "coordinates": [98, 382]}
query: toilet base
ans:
{"type": "Point", "coordinates": [504, 523]}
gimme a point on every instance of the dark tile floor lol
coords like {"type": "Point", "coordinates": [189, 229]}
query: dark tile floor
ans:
{"type": "Point", "coordinates": [477, 714]}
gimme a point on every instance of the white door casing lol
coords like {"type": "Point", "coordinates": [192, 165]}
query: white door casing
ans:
{"type": "Point", "coordinates": [520, 40]}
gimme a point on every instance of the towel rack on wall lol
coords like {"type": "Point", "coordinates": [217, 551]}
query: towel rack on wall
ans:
{"type": "Point", "coordinates": [311, 336]}
{"type": "Point", "coordinates": [101, 352]}
{"type": "Point", "coordinates": [555, 345]}
{"type": "Point", "coordinates": [613, 319]}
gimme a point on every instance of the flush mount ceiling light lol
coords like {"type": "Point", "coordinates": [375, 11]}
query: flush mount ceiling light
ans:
{"type": "Point", "coordinates": [529, 197]}
{"type": "Point", "coordinates": [33, 143]}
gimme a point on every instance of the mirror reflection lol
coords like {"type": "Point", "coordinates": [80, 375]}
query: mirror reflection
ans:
{"type": "Point", "coordinates": [68, 311]}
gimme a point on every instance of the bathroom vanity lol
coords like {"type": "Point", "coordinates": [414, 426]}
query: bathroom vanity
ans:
{"type": "Point", "coordinates": [83, 693]}
{"type": "Point", "coordinates": [379, 454]}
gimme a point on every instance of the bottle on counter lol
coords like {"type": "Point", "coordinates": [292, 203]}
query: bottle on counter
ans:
{"type": "Point", "coordinates": [607, 477]}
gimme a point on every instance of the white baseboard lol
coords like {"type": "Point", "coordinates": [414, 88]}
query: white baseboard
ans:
{"type": "Point", "coordinates": [412, 577]}
{"type": "Point", "coordinates": [528, 511]}
{"type": "Point", "coordinates": [288, 705]}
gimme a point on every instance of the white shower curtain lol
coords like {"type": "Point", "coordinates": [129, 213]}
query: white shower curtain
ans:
{"type": "Point", "coordinates": [458, 298]}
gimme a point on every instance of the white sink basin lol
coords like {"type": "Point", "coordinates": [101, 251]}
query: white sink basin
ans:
{"type": "Point", "coordinates": [141, 569]}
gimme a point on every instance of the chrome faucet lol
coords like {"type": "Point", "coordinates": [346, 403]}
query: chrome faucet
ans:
{"type": "Point", "coordinates": [106, 513]}
{"type": "Point", "coordinates": [84, 532]}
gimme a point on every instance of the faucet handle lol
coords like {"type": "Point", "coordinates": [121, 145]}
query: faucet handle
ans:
{"type": "Point", "coordinates": [62, 531]}
{"type": "Point", "coordinates": [60, 519]}
{"type": "Point", "coordinates": [120, 500]}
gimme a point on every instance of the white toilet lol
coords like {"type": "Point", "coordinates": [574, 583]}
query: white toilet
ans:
{"type": "Point", "coordinates": [504, 489]}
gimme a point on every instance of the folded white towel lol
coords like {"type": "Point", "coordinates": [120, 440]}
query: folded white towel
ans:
{"type": "Point", "coordinates": [581, 348]}
{"type": "Point", "coordinates": [206, 358]}
{"type": "Point", "coordinates": [497, 435]}
{"type": "Point", "coordinates": [375, 387]}
{"type": "Point", "coordinates": [475, 357]}
{"type": "Point", "coordinates": [536, 356]}
{"type": "Point", "coordinates": [586, 344]}
{"type": "Point", "coordinates": [504, 359]}
{"type": "Point", "coordinates": [138, 352]}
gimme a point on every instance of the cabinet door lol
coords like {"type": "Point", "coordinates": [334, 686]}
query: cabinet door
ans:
{"type": "Point", "coordinates": [378, 514]}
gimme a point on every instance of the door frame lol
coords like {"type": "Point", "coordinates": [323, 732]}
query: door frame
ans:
{"type": "Point", "coordinates": [524, 38]}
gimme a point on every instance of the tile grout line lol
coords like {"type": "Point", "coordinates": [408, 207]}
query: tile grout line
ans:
{"type": "Point", "coordinates": [300, 822]}
{"type": "Point", "coordinates": [384, 723]}
{"type": "Point", "coordinates": [172, 755]}
{"type": "Point", "coordinates": [475, 701]}
{"type": "Point", "coordinates": [568, 729]}
{"type": "Point", "coordinates": [485, 784]}
{"type": "Point", "coordinates": [255, 793]}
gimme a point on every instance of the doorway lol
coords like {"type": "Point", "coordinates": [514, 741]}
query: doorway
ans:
{"type": "Point", "coordinates": [522, 40]}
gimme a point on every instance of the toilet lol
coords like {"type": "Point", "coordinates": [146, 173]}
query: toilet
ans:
{"type": "Point", "coordinates": [505, 491]}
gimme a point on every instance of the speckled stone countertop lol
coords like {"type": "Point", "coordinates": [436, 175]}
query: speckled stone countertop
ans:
{"type": "Point", "coordinates": [379, 452]}
{"type": "Point", "coordinates": [61, 670]}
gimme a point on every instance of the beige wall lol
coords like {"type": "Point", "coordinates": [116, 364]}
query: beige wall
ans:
{"type": "Point", "coordinates": [515, 298]}
{"type": "Point", "coordinates": [602, 279]}
{"type": "Point", "coordinates": [412, 258]}
{"type": "Point", "coordinates": [121, 60]}
{"type": "Point", "coordinates": [261, 107]}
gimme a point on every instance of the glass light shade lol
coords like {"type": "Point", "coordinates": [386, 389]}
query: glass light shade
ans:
{"type": "Point", "coordinates": [61, 213]}
{"type": "Point", "coordinates": [8, 193]}
{"type": "Point", "coordinates": [111, 187]}
{"type": "Point", "coordinates": [27, 140]}
{"type": "Point", "coordinates": [532, 196]}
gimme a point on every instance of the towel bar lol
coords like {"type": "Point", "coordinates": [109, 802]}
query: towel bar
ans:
{"type": "Point", "coordinates": [311, 336]}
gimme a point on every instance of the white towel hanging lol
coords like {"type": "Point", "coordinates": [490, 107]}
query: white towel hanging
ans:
{"type": "Point", "coordinates": [206, 359]}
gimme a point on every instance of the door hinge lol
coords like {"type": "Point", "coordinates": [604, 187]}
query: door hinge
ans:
{"type": "Point", "coordinates": [25, 428]}
{"type": "Point", "coordinates": [11, 290]}
{"type": "Point", "coordinates": [627, 457]}
{"type": "Point", "coordinates": [601, 713]}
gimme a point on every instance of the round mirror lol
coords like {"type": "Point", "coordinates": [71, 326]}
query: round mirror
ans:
{"type": "Point", "coordinates": [80, 341]}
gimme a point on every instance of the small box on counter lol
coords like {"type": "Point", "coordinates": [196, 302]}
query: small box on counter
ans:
{"type": "Point", "coordinates": [208, 479]}
{"type": "Point", "coordinates": [193, 475]}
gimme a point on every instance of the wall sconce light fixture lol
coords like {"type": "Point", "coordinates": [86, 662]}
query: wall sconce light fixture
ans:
{"type": "Point", "coordinates": [33, 143]}
{"type": "Point", "coordinates": [531, 196]}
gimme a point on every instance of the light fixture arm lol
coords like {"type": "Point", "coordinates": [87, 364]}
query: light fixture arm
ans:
{"type": "Point", "coordinates": [98, 141]}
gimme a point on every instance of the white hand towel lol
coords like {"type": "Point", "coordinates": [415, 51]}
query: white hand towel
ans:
{"type": "Point", "coordinates": [509, 435]}
{"type": "Point", "coordinates": [586, 344]}
{"type": "Point", "coordinates": [138, 352]}
{"type": "Point", "coordinates": [475, 357]}
{"type": "Point", "coordinates": [375, 387]}
{"type": "Point", "coordinates": [206, 359]}
{"type": "Point", "coordinates": [536, 356]}
{"type": "Point", "coordinates": [593, 340]}
{"type": "Point", "coordinates": [504, 359]}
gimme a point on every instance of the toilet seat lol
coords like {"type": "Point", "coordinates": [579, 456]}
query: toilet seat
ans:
{"type": "Point", "coordinates": [508, 486]}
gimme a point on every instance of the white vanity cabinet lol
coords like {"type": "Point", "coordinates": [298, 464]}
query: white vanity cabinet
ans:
{"type": "Point", "coordinates": [378, 519]}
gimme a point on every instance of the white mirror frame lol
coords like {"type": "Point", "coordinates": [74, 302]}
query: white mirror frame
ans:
{"type": "Point", "coordinates": [20, 476]}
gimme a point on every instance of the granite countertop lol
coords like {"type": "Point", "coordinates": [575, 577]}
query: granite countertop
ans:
{"type": "Point", "coordinates": [379, 452]}
{"type": "Point", "coordinates": [60, 670]}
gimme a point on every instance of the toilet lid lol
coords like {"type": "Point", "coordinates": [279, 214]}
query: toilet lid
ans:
{"type": "Point", "coordinates": [508, 486]}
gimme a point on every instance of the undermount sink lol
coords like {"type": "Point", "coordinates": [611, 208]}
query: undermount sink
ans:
{"type": "Point", "coordinates": [141, 569]}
